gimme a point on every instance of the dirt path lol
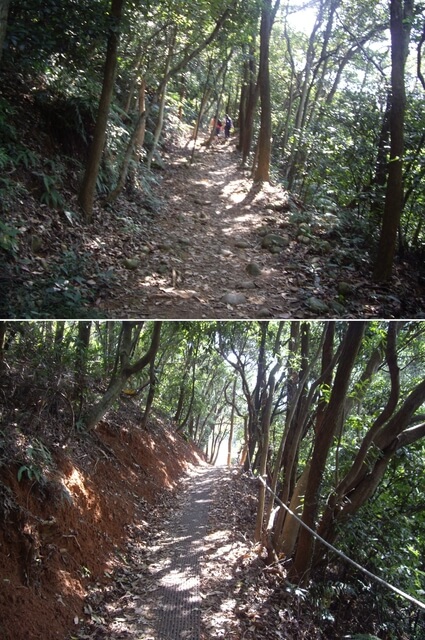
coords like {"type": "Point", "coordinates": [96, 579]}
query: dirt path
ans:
{"type": "Point", "coordinates": [220, 247]}
{"type": "Point", "coordinates": [201, 246]}
{"type": "Point", "coordinates": [178, 613]}
{"type": "Point", "coordinates": [156, 592]}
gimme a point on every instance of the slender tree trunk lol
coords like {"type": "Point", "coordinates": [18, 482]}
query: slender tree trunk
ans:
{"type": "Point", "coordinates": [88, 186]}
{"type": "Point", "coordinates": [140, 137]}
{"type": "Point", "coordinates": [4, 11]}
{"type": "Point", "coordinates": [152, 386]}
{"type": "Point", "coordinates": [163, 93]}
{"type": "Point", "coordinates": [137, 134]}
{"type": "Point", "coordinates": [262, 172]}
{"type": "Point", "coordinates": [297, 149]}
{"type": "Point", "coordinates": [81, 351]}
{"type": "Point", "coordinates": [249, 101]}
{"type": "Point", "coordinates": [265, 424]}
{"type": "Point", "coordinates": [232, 424]}
{"type": "Point", "coordinates": [298, 418]}
{"type": "Point", "coordinates": [401, 22]}
{"type": "Point", "coordinates": [291, 526]}
{"type": "Point", "coordinates": [124, 371]}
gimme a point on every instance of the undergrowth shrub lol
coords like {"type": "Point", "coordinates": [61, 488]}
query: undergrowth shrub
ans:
{"type": "Point", "coordinates": [63, 293]}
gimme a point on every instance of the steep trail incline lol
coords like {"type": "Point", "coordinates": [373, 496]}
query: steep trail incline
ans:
{"type": "Point", "coordinates": [222, 247]}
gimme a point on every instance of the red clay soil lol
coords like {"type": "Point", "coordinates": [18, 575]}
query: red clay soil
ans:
{"type": "Point", "coordinates": [59, 537]}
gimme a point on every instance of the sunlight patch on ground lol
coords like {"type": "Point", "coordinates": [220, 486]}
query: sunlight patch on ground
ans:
{"type": "Point", "coordinates": [69, 584]}
{"type": "Point", "coordinates": [222, 534]}
{"type": "Point", "coordinates": [235, 191]}
{"type": "Point", "coordinates": [181, 580]}
{"type": "Point", "coordinates": [243, 218]}
{"type": "Point", "coordinates": [228, 605]}
{"type": "Point", "coordinates": [203, 183]}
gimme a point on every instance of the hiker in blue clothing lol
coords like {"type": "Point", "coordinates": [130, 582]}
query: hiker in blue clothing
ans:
{"type": "Point", "coordinates": [227, 126]}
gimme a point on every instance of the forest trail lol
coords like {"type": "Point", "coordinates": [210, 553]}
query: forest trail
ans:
{"type": "Point", "coordinates": [196, 574]}
{"type": "Point", "coordinates": [177, 571]}
{"type": "Point", "coordinates": [172, 585]}
{"type": "Point", "coordinates": [205, 257]}
{"type": "Point", "coordinates": [221, 247]}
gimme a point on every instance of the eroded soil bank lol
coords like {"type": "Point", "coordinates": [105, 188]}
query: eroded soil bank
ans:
{"type": "Point", "coordinates": [65, 534]}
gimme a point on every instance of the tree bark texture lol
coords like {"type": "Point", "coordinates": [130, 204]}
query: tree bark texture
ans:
{"type": "Point", "coordinates": [401, 21]}
{"type": "Point", "coordinates": [262, 173]}
{"type": "Point", "coordinates": [302, 562]}
{"type": "Point", "coordinates": [88, 185]}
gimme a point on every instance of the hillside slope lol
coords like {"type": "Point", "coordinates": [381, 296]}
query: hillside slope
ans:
{"type": "Point", "coordinates": [186, 240]}
{"type": "Point", "coordinates": [63, 529]}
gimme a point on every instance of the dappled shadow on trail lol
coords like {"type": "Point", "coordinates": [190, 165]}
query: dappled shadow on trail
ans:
{"type": "Point", "coordinates": [223, 247]}
{"type": "Point", "coordinates": [179, 600]}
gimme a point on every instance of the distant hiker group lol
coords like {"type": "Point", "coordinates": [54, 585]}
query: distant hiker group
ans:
{"type": "Point", "coordinates": [218, 125]}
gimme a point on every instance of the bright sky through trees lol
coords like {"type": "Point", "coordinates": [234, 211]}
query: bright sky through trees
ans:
{"type": "Point", "coordinates": [303, 19]}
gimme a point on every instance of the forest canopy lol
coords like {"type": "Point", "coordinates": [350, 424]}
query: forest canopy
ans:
{"type": "Point", "coordinates": [331, 413]}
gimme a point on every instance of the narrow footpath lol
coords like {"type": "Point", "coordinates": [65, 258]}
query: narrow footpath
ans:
{"type": "Point", "coordinates": [173, 582]}
{"type": "Point", "coordinates": [178, 572]}
{"type": "Point", "coordinates": [193, 572]}
{"type": "Point", "coordinates": [219, 246]}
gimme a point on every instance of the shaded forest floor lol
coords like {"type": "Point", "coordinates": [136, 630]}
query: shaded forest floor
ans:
{"type": "Point", "coordinates": [192, 240]}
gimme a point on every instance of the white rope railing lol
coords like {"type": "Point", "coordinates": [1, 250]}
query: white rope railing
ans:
{"type": "Point", "coordinates": [339, 553]}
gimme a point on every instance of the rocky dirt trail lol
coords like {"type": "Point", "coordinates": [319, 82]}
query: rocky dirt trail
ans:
{"type": "Point", "coordinates": [222, 247]}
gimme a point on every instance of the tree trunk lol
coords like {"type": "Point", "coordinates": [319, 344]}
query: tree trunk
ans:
{"type": "Point", "coordinates": [297, 148]}
{"type": "Point", "coordinates": [152, 386]}
{"type": "Point", "coordinates": [297, 419]}
{"type": "Point", "coordinates": [291, 526]}
{"type": "Point", "coordinates": [138, 133]}
{"type": "Point", "coordinates": [204, 99]}
{"type": "Point", "coordinates": [265, 424]}
{"type": "Point", "coordinates": [140, 137]}
{"type": "Point", "coordinates": [262, 172]}
{"type": "Point", "coordinates": [249, 100]}
{"type": "Point", "coordinates": [4, 11]}
{"type": "Point", "coordinates": [163, 94]}
{"type": "Point", "coordinates": [88, 186]}
{"type": "Point", "coordinates": [81, 349]}
{"type": "Point", "coordinates": [124, 371]}
{"type": "Point", "coordinates": [302, 562]}
{"type": "Point", "coordinates": [401, 22]}
{"type": "Point", "coordinates": [232, 424]}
